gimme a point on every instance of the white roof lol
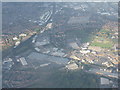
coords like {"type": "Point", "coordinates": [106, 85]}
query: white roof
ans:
{"type": "Point", "coordinates": [104, 81]}
{"type": "Point", "coordinates": [15, 38]}
{"type": "Point", "coordinates": [72, 66]}
{"type": "Point", "coordinates": [23, 61]}
{"type": "Point", "coordinates": [17, 43]}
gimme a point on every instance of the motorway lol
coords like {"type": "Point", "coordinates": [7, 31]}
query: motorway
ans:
{"type": "Point", "coordinates": [104, 73]}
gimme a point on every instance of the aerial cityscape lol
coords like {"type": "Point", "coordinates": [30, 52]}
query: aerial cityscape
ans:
{"type": "Point", "coordinates": [60, 45]}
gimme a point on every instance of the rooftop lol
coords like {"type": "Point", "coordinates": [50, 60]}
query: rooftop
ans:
{"type": "Point", "coordinates": [23, 61]}
{"type": "Point", "coordinates": [55, 59]}
{"type": "Point", "coordinates": [72, 66]}
{"type": "Point", "coordinates": [104, 81]}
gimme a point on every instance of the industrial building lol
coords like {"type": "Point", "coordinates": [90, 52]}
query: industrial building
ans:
{"type": "Point", "coordinates": [23, 61]}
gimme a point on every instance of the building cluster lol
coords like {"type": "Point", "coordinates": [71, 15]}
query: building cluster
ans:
{"type": "Point", "coordinates": [10, 40]}
{"type": "Point", "coordinates": [22, 60]}
{"type": "Point", "coordinates": [7, 64]}
{"type": "Point", "coordinates": [15, 40]}
{"type": "Point", "coordinates": [47, 44]}
{"type": "Point", "coordinates": [97, 56]}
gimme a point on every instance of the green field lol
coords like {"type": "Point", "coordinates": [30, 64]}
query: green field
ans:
{"type": "Point", "coordinates": [102, 39]}
{"type": "Point", "coordinates": [102, 45]}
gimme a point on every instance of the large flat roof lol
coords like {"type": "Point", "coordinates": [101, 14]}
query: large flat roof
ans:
{"type": "Point", "coordinates": [55, 59]}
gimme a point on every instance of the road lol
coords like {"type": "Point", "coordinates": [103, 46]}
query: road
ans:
{"type": "Point", "coordinates": [104, 73]}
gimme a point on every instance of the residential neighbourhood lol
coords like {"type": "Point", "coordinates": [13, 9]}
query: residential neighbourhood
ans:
{"type": "Point", "coordinates": [64, 41]}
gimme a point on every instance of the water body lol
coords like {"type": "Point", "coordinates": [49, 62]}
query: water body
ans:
{"type": "Point", "coordinates": [53, 75]}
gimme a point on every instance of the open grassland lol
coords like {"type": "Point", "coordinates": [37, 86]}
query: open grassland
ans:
{"type": "Point", "coordinates": [102, 40]}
